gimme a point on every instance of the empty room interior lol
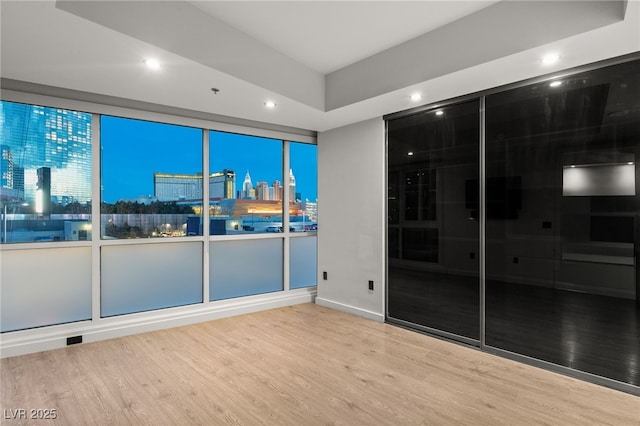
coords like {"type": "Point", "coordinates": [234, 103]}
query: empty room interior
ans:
{"type": "Point", "coordinates": [420, 212]}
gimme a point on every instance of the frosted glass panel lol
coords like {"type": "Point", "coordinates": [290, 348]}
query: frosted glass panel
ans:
{"type": "Point", "coordinates": [303, 260]}
{"type": "Point", "coordinates": [45, 287]}
{"type": "Point", "coordinates": [243, 268]}
{"type": "Point", "coordinates": [144, 277]}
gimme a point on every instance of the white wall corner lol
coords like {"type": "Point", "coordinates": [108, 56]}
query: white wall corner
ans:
{"type": "Point", "coordinates": [351, 214]}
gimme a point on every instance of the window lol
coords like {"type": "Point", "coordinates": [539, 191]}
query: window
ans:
{"type": "Point", "coordinates": [245, 184]}
{"type": "Point", "coordinates": [45, 174]}
{"type": "Point", "coordinates": [151, 179]}
{"type": "Point", "coordinates": [303, 187]}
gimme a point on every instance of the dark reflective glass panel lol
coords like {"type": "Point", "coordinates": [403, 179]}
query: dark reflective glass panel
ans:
{"type": "Point", "coordinates": [562, 226]}
{"type": "Point", "coordinates": [433, 231]}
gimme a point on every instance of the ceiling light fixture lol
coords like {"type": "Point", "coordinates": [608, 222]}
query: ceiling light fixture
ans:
{"type": "Point", "coordinates": [439, 112]}
{"type": "Point", "coordinates": [270, 104]}
{"type": "Point", "coordinates": [550, 58]}
{"type": "Point", "coordinates": [410, 153]}
{"type": "Point", "coordinates": [415, 97]}
{"type": "Point", "coordinates": [151, 63]}
{"type": "Point", "coordinates": [555, 83]}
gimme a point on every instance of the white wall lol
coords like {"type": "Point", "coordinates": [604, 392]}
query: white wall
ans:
{"type": "Point", "coordinates": [351, 218]}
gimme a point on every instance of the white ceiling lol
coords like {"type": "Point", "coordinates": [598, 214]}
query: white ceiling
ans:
{"type": "Point", "coordinates": [44, 44]}
{"type": "Point", "coordinates": [329, 35]}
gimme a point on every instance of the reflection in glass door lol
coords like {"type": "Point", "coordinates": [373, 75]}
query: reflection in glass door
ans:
{"type": "Point", "coordinates": [562, 221]}
{"type": "Point", "coordinates": [560, 281]}
{"type": "Point", "coordinates": [433, 226]}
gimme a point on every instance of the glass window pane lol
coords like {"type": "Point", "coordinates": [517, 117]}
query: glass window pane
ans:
{"type": "Point", "coordinates": [245, 268]}
{"type": "Point", "coordinates": [303, 187]}
{"type": "Point", "coordinates": [245, 185]}
{"type": "Point", "coordinates": [44, 287]}
{"type": "Point", "coordinates": [433, 232]}
{"type": "Point", "coordinates": [144, 277]}
{"type": "Point", "coordinates": [563, 215]}
{"type": "Point", "coordinates": [151, 179]}
{"type": "Point", "coordinates": [45, 174]}
{"type": "Point", "coordinates": [303, 260]}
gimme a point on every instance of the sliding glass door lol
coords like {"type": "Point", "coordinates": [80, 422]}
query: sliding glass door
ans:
{"type": "Point", "coordinates": [562, 220]}
{"type": "Point", "coordinates": [555, 278]}
{"type": "Point", "coordinates": [433, 243]}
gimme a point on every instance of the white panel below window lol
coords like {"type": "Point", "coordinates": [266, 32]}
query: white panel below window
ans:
{"type": "Point", "coordinates": [303, 262]}
{"type": "Point", "coordinates": [43, 287]}
{"type": "Point", "coordinates": [144, 277]}
{"type": "Point", "coordinates": [245, 268]}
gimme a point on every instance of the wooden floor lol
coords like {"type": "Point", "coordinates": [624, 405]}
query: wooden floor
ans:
{"type": "Point", "coordinates": [301, 365]}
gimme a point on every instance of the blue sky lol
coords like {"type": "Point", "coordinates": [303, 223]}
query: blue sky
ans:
{"type": "Point", "coordinates": [133, 150]}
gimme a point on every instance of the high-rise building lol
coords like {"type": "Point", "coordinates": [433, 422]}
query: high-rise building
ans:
{"type": "Point", "coordinates": [33, 137]}
{"type": "Point", "coordinates": [277, 190]}
{"type": "Point", "coordinates": [222, 185]}
{"type": "Point", "coordinates": [6, 167]}
{"type": "Point", "coordinates": [174, 187]}
{"type": "Point", "coordinates": [247, 188]}
{"type": "Point", "coordinates": [292, 187]}
{"type": "Point", "coordinates": [262, 190]}
{"type": "Point", "coordinates": [169, 187]}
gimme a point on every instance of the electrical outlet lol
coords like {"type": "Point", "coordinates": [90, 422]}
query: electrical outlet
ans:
{"type": "Point", "coordinates": [74, 340]}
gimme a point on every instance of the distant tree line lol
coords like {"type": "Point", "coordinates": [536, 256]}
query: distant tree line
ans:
{"type": "Point", "coordinates": [156, 207]}
{"type": "Point", "coordinates": [71, 208]}
{"type": "Point", "coordinates": [119, 207]}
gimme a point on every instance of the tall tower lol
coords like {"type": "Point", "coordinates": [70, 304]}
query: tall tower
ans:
{"type": "Point", "coordinates": [262, 190]}
{"type": "Point", "coordinates": [292, 187]}
{"type": "Point", "coordinates": [277, 190]}
{"type": "Point", "coordinates": [247, 186]}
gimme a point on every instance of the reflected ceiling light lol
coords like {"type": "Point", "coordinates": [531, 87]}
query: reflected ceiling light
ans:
{"type": "Point", "coordinates": [550, 58]}
{"type": "Point", "coordinates": [415, 97]}
{"type": "Point", "coordinates": [270, 104]}
{"type": "Point", "coordinates": [439, 112]}
{"type": "Point", "coordinates": [151, 63]}
{"type": "Point", "coordinates": [630, 163]}
{"type": "Point", "coordinates": [555, 83]}
{"type": "Point", "coordinates": [410, 153]}
{"type": "Point", "coordinates": [573, 166]}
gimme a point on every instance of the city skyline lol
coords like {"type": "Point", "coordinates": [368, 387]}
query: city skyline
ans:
{"type": "Point", "coordinates": [131, 152]}
{"type": "Point", "coordinates": [230, 151]}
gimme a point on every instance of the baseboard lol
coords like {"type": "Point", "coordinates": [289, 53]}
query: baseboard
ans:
{"type": "Point", "coordinates": [55, 337]}
{"type": "Point", "coordinates": [375, 316]}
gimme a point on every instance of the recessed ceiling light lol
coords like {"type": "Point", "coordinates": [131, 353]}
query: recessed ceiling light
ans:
{"type": "Point", "coordinates": [439, 112]}
{"type": "Point", "coordinates": [410, 153]}
{"type": "Point", "coordinates": [152, 63]}
{"type": "Point", "coordinates": [415, 97]}
{"type": "Point", "coordinates": [555, 83]}
{"type": "Point", "coordinates": [270, 104]}
{"type": "Point", "coordinates": [550, 58]}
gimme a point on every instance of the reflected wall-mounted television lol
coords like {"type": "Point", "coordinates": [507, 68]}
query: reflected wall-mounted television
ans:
{"type": "Point", "coordinates": [599, 180]}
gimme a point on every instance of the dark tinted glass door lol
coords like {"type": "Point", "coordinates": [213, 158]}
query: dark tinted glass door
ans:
{"type": "Point", "coordinates": [562, 221]}
{"type": "Point", "coordinates": [433, 229]}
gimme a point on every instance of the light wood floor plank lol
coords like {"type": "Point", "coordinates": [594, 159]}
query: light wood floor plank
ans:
{"type": "Point", "coordinates": [301, 365]}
